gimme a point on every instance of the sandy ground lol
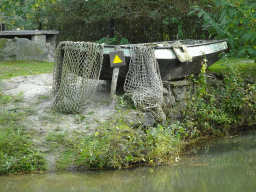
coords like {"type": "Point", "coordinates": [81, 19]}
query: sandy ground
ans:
{"type": "Point", "coordinates": [37, 95]}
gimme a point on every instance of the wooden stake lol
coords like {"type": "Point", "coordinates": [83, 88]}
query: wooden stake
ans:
{"type": "Point", "coordinates": [114, 79]}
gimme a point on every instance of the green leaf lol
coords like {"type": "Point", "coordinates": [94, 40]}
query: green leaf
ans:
{"type": "Point", "coordinates": [247, 36]}
{"type": "Point", "coordinates": [195, 9]}
{"type": "Point", "coordinates": [241, 52]}
{"type": "Point", "coordinates": [93, 157]}
{"type": "Point", "coordinates": [82, 118]}
{"type": "Point", "coordinates": [251, 51]}
{"type": "Point", "coordinates": [201, 13]}
{"type": "Point", "coordinates": [129, 158]}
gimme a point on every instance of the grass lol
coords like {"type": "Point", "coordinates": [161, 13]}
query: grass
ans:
{"type": "Point", "coordinates": [11, 69]}
{"type": "Point", "coordinates": [246, 67]}
{"type": "Point", "coordinates": [17, 151]}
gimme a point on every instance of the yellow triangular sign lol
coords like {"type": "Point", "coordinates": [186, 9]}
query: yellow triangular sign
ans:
{"type": "Point", "coordinates": [117, 59]}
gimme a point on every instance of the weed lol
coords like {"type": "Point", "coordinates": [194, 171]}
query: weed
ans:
{"type": "Point", "coordinates": [19, 97]}
{"type": "Point", "coordinates": [79, 118]}
{"type": "Point", "coordinates": [44, 97]}
{"type": "Point", "coordinates": [4, 99]}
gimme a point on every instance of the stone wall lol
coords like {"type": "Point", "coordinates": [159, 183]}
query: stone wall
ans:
{"type": "Point", "coordinates": [25, 49]}
{"type": "Point", "coordinates": [174, 102]}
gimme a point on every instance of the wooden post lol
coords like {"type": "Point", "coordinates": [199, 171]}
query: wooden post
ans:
{"type": "Point", "coordinates": [114, 79]}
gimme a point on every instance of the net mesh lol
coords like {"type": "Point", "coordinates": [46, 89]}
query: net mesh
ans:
{"type": "Point", "coordinates": [143, 80]}
{"type": "Point", "coordinates": [76, 74]}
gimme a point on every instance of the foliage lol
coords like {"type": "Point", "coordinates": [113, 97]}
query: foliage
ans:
{"type": "Point", "coordinates": [117, 145]}
{"type": "Point", "coordinates": [17, 153]}
{"type": "Point", "coordinates": [235, 21]}
{"type": "Point", "coordinates": [116, 40]}
{"type": "Point", "coordinates": [217, 107]}
{"type": "Point", "coordinates": [25, 14]}
{"type": "Point", "coordinates": [4, 99]}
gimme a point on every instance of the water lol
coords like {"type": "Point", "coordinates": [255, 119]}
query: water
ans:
{"type": "Point", "coordinates": [223, 165]}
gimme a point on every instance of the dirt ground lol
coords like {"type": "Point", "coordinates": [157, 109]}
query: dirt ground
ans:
{"type": "Point", "coordinates": [36, 91]}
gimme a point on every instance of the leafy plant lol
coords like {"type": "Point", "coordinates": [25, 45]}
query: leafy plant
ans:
{"type": "Point", "coordinates": [116, 40]}
{"type": "Point", "coordinates": [235, 21]}
{"type": "Point", "coordinates": [117, 145]}
{"type": "Point", "coordinates": [17, 153]}
{"type": "Point", "coordinates": [219, 107]}
{"type": "Point", "coordinates": [168, 21]}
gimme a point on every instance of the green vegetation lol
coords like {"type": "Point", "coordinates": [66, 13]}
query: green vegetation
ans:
{"type": "Point", "coordinates": [117, 145]}
{"type": "Point", "coordinates": [17, 151]}
{"type": "Point", "coordinates": [116, 40]}
{"type": "Point", "coordinates": [235, 22]}
{"type": "Point", "coordinates": [220, 106]}
{"type": "Point", "coordinates": [11, 69]}
{"type": "Point", "coordinates": [138, 21]}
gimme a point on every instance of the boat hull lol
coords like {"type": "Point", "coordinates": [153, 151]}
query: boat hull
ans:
{"type": "Point", "coordinates": [170, 67]}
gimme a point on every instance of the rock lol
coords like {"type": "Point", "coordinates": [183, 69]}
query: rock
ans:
{"type": "Point", "coordinates": [133, 119]}
{"type": "Point", "coordinates": [180, 93]}
{"type": "Point", "coordinates": [175, 114]}
{"type": "Point", "coordinates": [23, 49]}
{"type": "Point", "coordinates": [148, 119]}
{"type": "Point", "coordinates": [168, 101]}
{"type": "Point", "coordinates": [159, 114]}
{"type": "Point", "coordinates": [180, 106]}
{"type": "Point", "coordinates": [138, 118]}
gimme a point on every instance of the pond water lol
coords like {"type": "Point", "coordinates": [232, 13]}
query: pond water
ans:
{"type": "Point", "coordinates": [222, 165]}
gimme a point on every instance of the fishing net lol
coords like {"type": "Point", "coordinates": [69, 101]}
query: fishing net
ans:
{"type": "Point", "coordinates": [143, 80]}
{"type": "Point", "coordinates": [76, 74]}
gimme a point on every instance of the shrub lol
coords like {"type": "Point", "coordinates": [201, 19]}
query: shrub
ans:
{"type": "Point", "coordinates": [235, 21]}
{"type": "Point", "coordinates": [117, 145]}
{"type": "Point", "coordinates": [219, 107]}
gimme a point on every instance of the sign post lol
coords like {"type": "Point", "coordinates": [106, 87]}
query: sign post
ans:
{"type": "Point", "coordinates": [117, 59]}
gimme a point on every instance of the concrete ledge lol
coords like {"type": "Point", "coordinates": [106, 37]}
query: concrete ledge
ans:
{"type": "Point", "coordinates": [28, 32]}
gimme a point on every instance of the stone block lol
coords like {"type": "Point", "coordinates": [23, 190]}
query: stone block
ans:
{"type": "Point", "coordinates": [41, 39]}
{"type": "Point", "coordinates": [22, 49]}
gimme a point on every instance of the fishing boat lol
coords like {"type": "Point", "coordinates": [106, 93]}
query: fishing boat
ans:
{"type": "Point", "coordinates": [170, 65]}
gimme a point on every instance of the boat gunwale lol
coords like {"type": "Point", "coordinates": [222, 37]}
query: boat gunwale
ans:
{"type": "Point", "coordinates": [128, 46]}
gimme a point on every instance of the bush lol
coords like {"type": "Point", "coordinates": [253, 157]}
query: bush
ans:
{"type": "Point", "coordinates": [119, 145]}
{"type": "Point", "coordinates": [234, 21]}
{"type": "Point", "coordinates": [219, 107]}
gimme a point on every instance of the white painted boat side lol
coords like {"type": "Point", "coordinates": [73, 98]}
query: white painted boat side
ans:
{"type": "Point", "coordinates": [167, 53]}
